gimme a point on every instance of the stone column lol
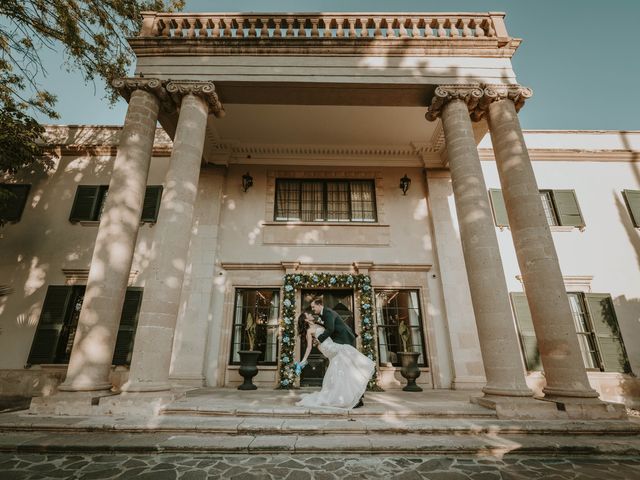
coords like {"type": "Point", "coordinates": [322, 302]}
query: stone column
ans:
{"type": "Point", "coordinates": [546, 293]}
{"type": "Point", "coordinates": [95, 339]}
{"type": "Point", "coordinates": [160, 302]}
{"type": "Point", "coordinates": [489, 295]}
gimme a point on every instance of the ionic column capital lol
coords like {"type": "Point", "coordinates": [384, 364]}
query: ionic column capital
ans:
{"type": "Point", "coordinates": [516, 93]}
{"type": "Point", "coordinates": [126, 86]}
{"type": "Point", "coordinates": [470, 94]}
{"type": "Point", "coordinates": [477, 97]}
{"type": "Point", "coordinates": [205, 90]}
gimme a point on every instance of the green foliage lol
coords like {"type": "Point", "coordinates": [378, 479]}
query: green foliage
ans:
{"type": "Point", "coordinates": [91, 33]}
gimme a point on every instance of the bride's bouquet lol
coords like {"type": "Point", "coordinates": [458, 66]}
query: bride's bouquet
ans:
{"type": "Point", "coordinates": [298, 366]}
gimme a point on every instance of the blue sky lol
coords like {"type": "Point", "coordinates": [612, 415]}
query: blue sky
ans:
{"type": "Point", "coordinates": [581, 57]}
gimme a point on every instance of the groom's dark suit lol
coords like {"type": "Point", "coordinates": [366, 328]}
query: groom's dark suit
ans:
{"type": "Point", "coordinates": [335, 328]}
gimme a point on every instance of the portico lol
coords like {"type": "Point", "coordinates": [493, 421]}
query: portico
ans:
{"type": "Point", "coordinates": [328, 98]}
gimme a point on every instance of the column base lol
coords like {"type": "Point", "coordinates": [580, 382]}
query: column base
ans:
{"type": "Point", "coordinates": [561, 392]}
{"type": "Point", "coordinates": [140, 387]}
{"type": "Point", "coordinates": [191, 381]}
{"type": "Point", "coordinates": [89, 387]}
{"type": "Point", "coordinates": [71, 403]}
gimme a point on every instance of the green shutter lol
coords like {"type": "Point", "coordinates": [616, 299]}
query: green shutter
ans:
{"type": "Point", "coordinates": [52, 318]}
{"type": "Point", "coordinates": [85, 203]}
{"type": "Point", "coordinates": [567, 208]}
{"type": "Point", "coordinates": [632, 199]}
{"type": "Point", "coordinates": [526, 331]}
{"type": "Point", "coordinates": [13, 199]}
{"type": "Point", "coordinates": [151, 205]}
{"type": "Point", "coordinates": [127, 328]}
{"type": "Point", "coordinates": [605, 326]}
{"type": "Point", "coordinates": [499, 210]}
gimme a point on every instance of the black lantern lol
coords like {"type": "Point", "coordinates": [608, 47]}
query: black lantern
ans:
{"type": "Point", "coordinates": [247, 181]}
{"type": "Point", "coordinates": [405, 182]}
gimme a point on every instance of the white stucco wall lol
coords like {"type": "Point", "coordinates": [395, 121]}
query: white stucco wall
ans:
{"type": "Point", "coordinates": [609, 247]}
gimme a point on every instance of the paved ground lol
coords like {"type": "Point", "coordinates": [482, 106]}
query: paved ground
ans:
{"type": "Point", "coordinates": [327, 467]}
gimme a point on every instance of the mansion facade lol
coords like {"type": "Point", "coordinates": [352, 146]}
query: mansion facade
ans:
{"type": "Point", "coordinates": [385, 149]}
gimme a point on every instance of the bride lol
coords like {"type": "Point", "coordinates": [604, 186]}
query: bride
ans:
{"type": "Point", "coordinates": [348, 374]}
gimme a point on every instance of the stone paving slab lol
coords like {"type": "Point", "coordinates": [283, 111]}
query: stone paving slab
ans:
{"type": "Point", "coordinates": [307, 467]}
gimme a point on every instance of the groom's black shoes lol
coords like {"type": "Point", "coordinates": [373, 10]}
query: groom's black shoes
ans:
{"type": "Point", "coordinates": [359, 404]}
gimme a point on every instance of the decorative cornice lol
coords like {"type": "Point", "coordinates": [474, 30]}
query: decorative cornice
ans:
{"type": "Point", "coordinates": [477, 97]}
{"type": "Point", "coordinates": [204, 90]}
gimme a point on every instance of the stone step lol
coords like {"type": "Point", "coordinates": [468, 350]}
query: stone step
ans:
{"type": "Point", "coordinates": [163, 442]}
{"type": "Point", "coordinates": [310, 426]}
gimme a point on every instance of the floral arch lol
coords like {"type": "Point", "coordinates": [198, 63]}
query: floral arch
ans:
{"type": "Point", "coordinates": [293, 282]}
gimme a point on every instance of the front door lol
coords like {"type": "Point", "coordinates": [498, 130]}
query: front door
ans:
{"type": "Point", "coordinates": [342, 302]}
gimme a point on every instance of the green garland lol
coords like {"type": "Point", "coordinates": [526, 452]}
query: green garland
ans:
{"type": "Point", "coordinates": [296, 281]}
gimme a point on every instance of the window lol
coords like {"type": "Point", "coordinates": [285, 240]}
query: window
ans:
{"type": "Point", "coordinates": [256, 310]}
{"type": "Point", "coordinates": [560, 208]}
{"type": "Point", "coordinates": [632, 199]}
{"type": "Point", "coordinates": [596, 326]}
{"type": "Point", "coordinates": [13, 198]}
{"type": "Point", "coordinates": [58, 322]}
{"type": "Point", "coordinates": [90, 199]}
{"type": "Point", "coordinates": [325, 201]}
{"type": "Point", "coordinates": [398, 311]}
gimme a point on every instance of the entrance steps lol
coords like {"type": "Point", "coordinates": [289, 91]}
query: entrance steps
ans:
{"type": "Point", "coordinates": [267, 421]}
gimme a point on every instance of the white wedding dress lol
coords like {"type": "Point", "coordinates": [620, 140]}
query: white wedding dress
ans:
{"type": "Point", "coordinates": [346, 379]}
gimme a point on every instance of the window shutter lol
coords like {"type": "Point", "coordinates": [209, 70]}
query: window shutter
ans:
{"type": "Point", "coordinates": [632, 199]}
{"type": "Point", "coordinates": [13, 201]}
{"type": "Point", "coordinates": [605, 326]}
{"type": "Point", "coordinates": [127, 328]}
{"type": "Point", "coordinates": [151, 206]}
{"type": "Point", "coordinates": [84, 204]}
{"type": "Point", "coordinates": [52, 318]}
{"type": "Point", "coordinates": [527, 334]}
{"type": "Point", "coordinates": [499, 210]}
{"type": "Point", "coordinates": [567, 208]}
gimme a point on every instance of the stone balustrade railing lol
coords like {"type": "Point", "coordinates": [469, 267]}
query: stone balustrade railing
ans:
{"type": "Point", "coordinates": [325, 25]}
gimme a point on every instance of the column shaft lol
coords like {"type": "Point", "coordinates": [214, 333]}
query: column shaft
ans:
{"type": "Point", "coordinates": [552, 319]}
{"type": "Point", "coordinates": [95, 339]}
{"type": "Point", "coordinates": [498, 339]}
{"type": "Point", "coordinates": [160, 304]}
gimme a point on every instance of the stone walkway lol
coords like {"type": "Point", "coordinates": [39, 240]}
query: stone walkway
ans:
{"type": "Point", "coordinates": [326, 467]}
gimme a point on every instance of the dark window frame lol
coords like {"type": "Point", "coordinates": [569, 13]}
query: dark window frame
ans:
{"type": "Point", "coordinates": [234, 324]}
{"type": "Point", "coordinates": [101, 193]}
{"type": "Point", "coordinates": [325, 201]}
{"type": "Point", "coordinates": [68, 327]}
{"type": "Point", "coordinates": [380, 326]}
{"type": "Point", "coordinates": [21, 193]}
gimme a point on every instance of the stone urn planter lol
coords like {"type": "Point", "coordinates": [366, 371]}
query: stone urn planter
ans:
{"type": "Point", "coordinates": [248, 368]}
{"type": "Point", "coordinates": [410, 370]}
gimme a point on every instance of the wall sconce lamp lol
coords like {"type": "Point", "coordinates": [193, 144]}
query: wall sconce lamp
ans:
{"type": "Point", "coordinates": [405, 182]}
{"type": "Point", "coordinates": [247, 181]}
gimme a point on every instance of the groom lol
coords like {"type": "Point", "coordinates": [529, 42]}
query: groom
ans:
{"type": "Point", "coordinates": [335, 328]}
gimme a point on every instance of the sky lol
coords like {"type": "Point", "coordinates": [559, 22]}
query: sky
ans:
{"type": "Point", "coordinates": [581, 57]}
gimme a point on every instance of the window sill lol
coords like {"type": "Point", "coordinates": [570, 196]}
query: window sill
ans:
{"type": "Point", "coordinates": [325, 233]}
{"type": "Point", "coordinates": [263, 367]}
{"type": "Point", "coordinates": [95, 223]}
{"type": "Point", "coordinates": [554, 228]}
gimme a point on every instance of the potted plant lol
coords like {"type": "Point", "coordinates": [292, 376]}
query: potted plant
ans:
{"type": "Point", "coordinates": [249, 358]}
{"type": "Point", "coordinates": [409, 360]}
